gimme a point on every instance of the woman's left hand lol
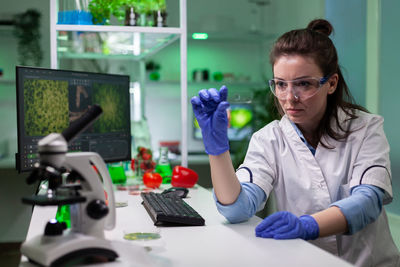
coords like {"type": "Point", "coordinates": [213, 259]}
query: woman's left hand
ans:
{"type": "Point", "coordinates": [286, 225]}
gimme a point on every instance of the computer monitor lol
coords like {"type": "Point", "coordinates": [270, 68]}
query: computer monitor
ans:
{"type": "Point", "coordinates": [48, 100]}
{"type": "Point", "coordinates": [240, 126]}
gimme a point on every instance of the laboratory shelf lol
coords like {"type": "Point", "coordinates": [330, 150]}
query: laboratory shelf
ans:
{"type": "Point", "coordinates": [120, 45]}
{"type": "Point", "coordinates": [139, 42]}
{"type": "Point", "coordinates": [112, 28]}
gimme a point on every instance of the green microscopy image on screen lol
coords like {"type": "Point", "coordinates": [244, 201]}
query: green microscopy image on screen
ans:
{"type": "Point", "coordinates": [115, 107]}
{"type": "Point", "coordinates": [46, 107]}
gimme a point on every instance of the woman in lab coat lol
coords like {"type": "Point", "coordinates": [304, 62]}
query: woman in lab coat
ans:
{"type": "Point", "coordinates": [326, 159]}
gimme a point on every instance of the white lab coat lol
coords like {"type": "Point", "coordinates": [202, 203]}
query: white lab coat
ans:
{"type": "Point", "coordinates": [277, 160]}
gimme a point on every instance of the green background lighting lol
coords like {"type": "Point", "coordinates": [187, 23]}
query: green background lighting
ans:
{"type": "Point", "coordinates": [240, 117]}
{"type": "Point", "coordinates": [199, 36]}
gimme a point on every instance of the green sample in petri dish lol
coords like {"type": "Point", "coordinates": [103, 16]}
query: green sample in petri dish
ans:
{"type": "Point", "coordinates": [142, 236]}
{"type": "Point", "coordinates": [121, 204]}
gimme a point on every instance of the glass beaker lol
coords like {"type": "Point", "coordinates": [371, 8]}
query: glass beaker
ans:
{"type": "Point", "coordinates": [117, 172]}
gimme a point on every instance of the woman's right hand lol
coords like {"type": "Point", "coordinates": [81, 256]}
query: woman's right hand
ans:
{"type": "Point", "coordinates": [210, 111]}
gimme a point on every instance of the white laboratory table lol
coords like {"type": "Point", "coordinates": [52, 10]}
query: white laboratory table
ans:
{"type": "Point", "coordinates": [218, 243]}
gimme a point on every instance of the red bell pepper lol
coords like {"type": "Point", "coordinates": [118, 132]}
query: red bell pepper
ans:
{"type": "Point", "coordinates": [183, 177]}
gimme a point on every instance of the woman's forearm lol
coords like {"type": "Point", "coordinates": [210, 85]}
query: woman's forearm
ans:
{"type": "Point", "coordinates": [331, 222]}
{"type": "Point", "coordinates": [224, 180]}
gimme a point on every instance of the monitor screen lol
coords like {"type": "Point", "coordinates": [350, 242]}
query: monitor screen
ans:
{"type": "Point", "coordinates": [48, 100]}
{"type": "Point", "coordinates": [240, 116]}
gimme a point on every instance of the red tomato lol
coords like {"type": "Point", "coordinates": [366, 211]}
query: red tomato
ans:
{"type": "Point", "coordinates": [152, 179]}
{"type": "Point", "coordinates": [183, 177]}
{"type": "Point", "coordinates": [142, 150]}
{"type": "Point", "coordinates": [146, 156]}
{"type": "Point", "coordinates": [148, 165]}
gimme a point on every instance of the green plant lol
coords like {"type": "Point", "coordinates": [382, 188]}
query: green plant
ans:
{"type": "Point", "coordinates": [102, 10]}
{"type": "Point", "coordinates": [162, 6]}
{"type": "Point", "coordinates": [27, 26]}
{"type": "Point", "coordinates": [154, 5]}
{"type": "Point", "coordinates": [149, 6]}
{"type": "Point", "coordinates": [132, 3]}
{"type": "Point", "coordinates": [264, 108]}
{"type": "Point", "coordinates": [143, 7]}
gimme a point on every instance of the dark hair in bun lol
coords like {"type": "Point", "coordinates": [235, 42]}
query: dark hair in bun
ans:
{"type": "Point", "coordinates": [314, 42]}
{"type": "Point", "coordinates": [321, 26]}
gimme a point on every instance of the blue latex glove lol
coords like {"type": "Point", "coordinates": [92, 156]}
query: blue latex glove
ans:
{"type": "Point", "coordinates": [210, 111]}
{"type": "Point", "coordinates": [285, 225]}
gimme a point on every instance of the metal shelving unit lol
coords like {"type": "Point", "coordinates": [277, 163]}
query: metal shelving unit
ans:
{"type": "Point", "coordinates": [145, 40]}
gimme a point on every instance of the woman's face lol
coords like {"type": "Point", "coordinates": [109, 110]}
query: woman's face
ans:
{"type": "Point", "coordinates": [305, 113]}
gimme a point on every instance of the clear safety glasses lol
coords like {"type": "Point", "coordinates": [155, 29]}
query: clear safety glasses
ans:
{"type": "Point", "coordinates": [301, 89]}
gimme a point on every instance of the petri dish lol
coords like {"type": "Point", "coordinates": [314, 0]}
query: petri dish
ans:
{"type": "Point", "coordinates": [146, 236]}
{"type": "Point", "coordinates": [121, 204]}
{"type": "Point", "coordinates": [141, 236]}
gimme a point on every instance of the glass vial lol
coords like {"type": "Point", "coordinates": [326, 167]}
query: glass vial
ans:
{"type": "Point", "coordinates": [163, 166]}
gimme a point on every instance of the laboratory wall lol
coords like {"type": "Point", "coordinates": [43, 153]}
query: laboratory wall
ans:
{"type": "Point", "coordinates": [8, 61]}
{"type": "Point", "coordinates": [15, 216]}
{"type": "Point", "coordinates": [348, 19]}
{"type": "Point", "coordinates": [389, 92]}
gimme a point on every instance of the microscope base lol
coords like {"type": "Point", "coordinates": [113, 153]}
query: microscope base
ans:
{"type": "Point", "coordinates": [68, 249]}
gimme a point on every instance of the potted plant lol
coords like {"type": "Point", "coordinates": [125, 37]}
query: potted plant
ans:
{"type": "Point", "coordinates": [27, 31]}
{"type": "Point", "coordinates": [102, 10]}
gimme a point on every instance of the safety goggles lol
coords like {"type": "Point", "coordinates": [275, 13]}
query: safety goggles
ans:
{"type": "Point", "coordinates": [301, 89]}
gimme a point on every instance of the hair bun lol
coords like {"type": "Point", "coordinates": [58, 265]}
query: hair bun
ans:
{"type": "Point", "coordinates": [320, 25]}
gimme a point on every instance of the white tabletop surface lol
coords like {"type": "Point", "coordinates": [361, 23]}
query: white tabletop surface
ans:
{"type": "Point", "coordinates": [218, 243]}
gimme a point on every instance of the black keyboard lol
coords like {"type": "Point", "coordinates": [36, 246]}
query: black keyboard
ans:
{"type": "Point", "coordinates": [170, 210]}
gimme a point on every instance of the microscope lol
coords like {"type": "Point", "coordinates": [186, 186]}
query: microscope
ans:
{"type": "Point", "coordinates": [78, 179]}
